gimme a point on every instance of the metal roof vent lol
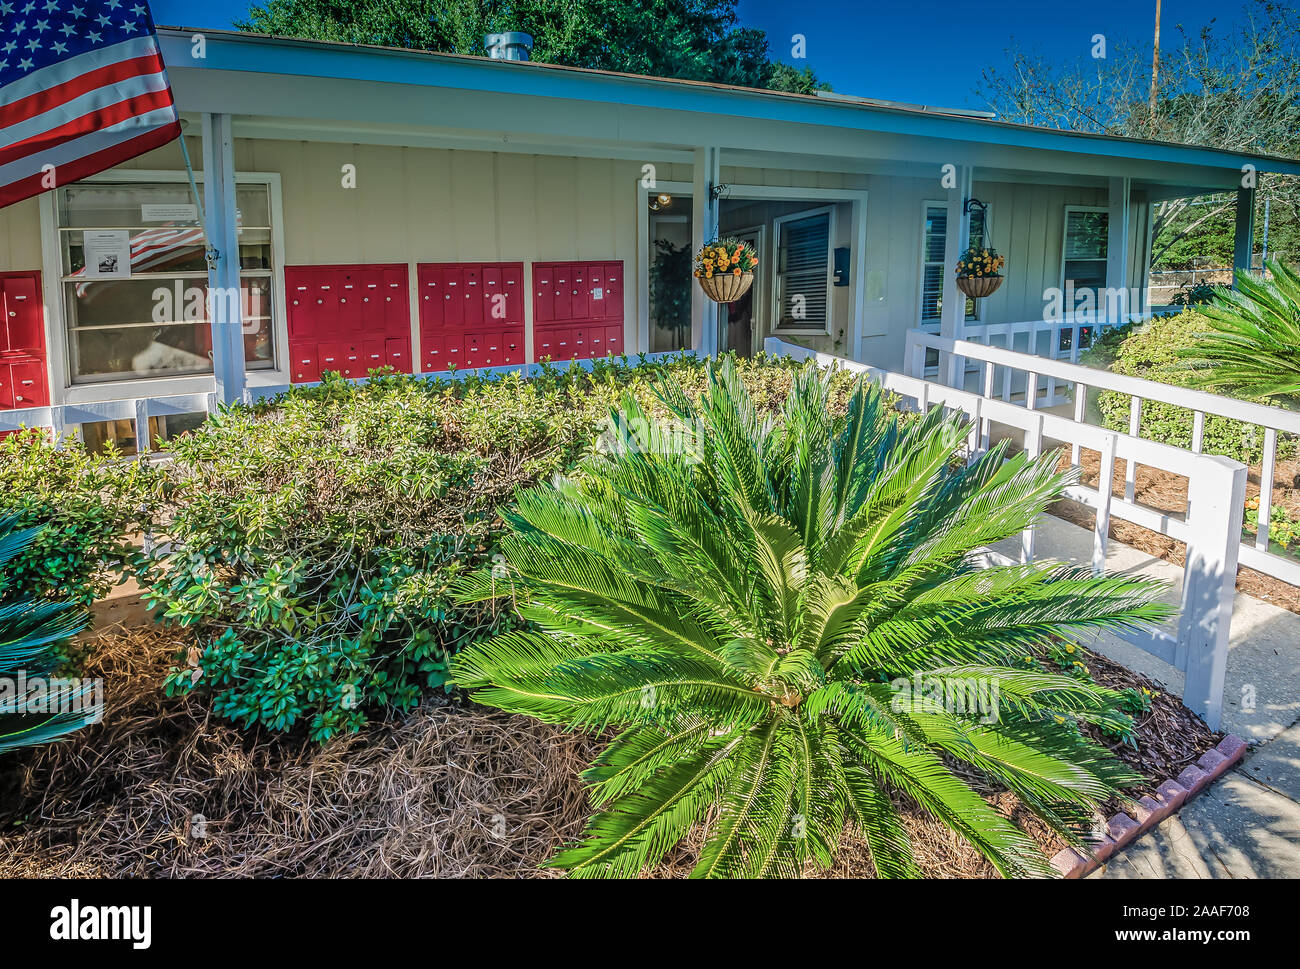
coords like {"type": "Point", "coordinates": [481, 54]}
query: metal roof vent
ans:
{"type": "Point", "coordinates": [510, 46]}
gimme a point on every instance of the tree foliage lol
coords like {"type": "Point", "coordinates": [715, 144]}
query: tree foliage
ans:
{"type": "Point", "coordinates": [1232, 89]}
{"type": "Point", "coordinates": [744, 609]}
{"type": "Point", "coordinates": [698, 40]}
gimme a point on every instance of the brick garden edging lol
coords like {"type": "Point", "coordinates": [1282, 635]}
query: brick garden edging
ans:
{"type": "Point", "coordinates": [1150, 811]}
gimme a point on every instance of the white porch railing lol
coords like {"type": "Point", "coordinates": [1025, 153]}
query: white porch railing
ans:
{"type": "Point", "coordinates": [1062, 339]}
{"type": "Point", "coordinates": [1022, 371]}
{"type": "Point", "coordinates": [1211, 528]}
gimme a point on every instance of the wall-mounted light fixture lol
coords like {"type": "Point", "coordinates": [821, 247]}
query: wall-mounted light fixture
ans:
{"type": "Point", "coordinates": [661, 201]}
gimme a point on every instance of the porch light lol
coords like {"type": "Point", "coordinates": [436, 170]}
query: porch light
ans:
{"type": "Point", "coordinates": [661, 201]}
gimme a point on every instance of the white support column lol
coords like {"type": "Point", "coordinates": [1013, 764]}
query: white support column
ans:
{"type": "Point", "coordinates": [952, 318]}
{"type": "Point", "coordinates": [704, 227]}
{"type": "Point", "coordinates": [224, 297]}
{"type": "Point", "coordinates": [1117, 253]}
{"type": "Point", "coordinates": [1216, 496]}
{"type": "Point", "coordinates": [1243, 242]}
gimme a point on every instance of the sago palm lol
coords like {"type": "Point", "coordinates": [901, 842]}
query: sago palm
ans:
{"type": "Point", "coordinates": [1254, 341]}
{"type": "Point", "coordinates": [29, 632]}
{"type": "Point", "coordinates": [740, 609]}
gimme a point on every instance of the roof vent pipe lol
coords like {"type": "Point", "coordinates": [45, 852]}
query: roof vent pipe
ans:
{"type": "Point", "coordinates": [510, 46]}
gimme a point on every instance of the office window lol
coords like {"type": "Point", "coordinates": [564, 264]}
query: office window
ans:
{"type": "Point", "coordinates": [1084, 259]}
{"type": "Point", "coordinates": [134, 279]}
{"type": "Point", "coordinates": [803, 271]}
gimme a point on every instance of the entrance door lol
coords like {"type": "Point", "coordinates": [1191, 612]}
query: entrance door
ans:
{"type": "Point", "coordinates": [737, 322]}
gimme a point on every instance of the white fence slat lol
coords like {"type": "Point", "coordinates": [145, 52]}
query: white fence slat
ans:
{"type": "Point", "coordinates": [1130, 467]}
{"type": "Point", "coordinates": [1266, 489]}
{"type": "Point", "coordinates": [1033, 448]}
{"type": "Point", "coordinates": [1105, 495]}
{"type": "Point", "coordinates": [987, 425]}
{"type": "Point", "coordinates": [1080, 414]}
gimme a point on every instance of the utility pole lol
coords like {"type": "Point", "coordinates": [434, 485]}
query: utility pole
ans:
{"type": "Point", "coordinates": [1155, 62]}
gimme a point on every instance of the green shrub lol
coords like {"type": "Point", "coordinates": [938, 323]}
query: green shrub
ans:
{"type": "Point", "coordinates": [1151, 350]}
{"type": "Point", "coordinates": [88, 508]}
{"type": "Point", "coordinates": [312, 538]}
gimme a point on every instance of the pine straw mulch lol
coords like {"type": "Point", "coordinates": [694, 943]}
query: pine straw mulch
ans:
{"type": "Point", "coordinates": [451, 790]}
{"type": "Point", "coordinates": [1167, 492]}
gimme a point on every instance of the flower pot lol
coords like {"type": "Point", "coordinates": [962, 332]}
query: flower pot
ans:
{"type": "Point", "coordinates": [977, 287]}
{"type": "Point", "coordinates": [726, 287]}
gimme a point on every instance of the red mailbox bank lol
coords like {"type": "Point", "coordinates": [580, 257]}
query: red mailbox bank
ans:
{"type": "Point", "coordinates": [471, 314]}
{"type": "Point", "coordinates": [577, 310]}
{"type": "Point", "coordinates": [351, 319]}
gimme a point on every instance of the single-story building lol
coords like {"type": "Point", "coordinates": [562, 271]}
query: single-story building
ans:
{"type": "Point", "coordinates": [429, 210]}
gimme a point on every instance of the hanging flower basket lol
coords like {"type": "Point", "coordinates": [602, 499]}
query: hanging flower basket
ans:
{"type": "Point", "coordinates": [726, 287]}
{"type": "Point", "coordinates": [725, 269]}
{"type": "Point", "coordinates": [979, 271]}
{"type": "Point", "coordinates": [977, 287]}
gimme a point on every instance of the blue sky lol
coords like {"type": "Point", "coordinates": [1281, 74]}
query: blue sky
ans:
{"type": "Point", "coordinates": [924, 51]}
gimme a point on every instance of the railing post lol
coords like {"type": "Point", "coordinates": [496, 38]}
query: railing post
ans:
{"type": "Point", "coordinates": [142, 442]}
{"type": "Point", "coordinates": [1033, 448]}
{"type": "Point", "coordinates": [58, 428]}
{"type": "Point", "coordinates": [1105, 493]}
{"type": "Point", "coordinates": [1266, 489]}
{"type": "Point", "coordinates": [1080, 415]}
{"type": "Point", "coordinates": [1130, 467]}
{"type": "Point", "coordinates": [1209, 583]}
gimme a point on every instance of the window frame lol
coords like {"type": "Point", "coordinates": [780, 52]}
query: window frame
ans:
{"type": "Point", "coordinates": [112, 386]}
{"type": "Point", "coordinates": [774, 295]}
{"type": "Point", "coordinates": [1065, 241]}
{"type": "Point", "coordinates": [921, 321]}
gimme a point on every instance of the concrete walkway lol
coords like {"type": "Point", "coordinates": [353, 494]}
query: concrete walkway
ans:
{"type": "Point", "coordinates": [1247, 824]}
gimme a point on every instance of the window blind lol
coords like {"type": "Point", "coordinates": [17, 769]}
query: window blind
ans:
{"type": "Point", "coordinates": [802, 272]}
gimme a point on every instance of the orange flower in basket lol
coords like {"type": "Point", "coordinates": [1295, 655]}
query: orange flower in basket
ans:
{"type": "Point", "coordinates": [736, 271]}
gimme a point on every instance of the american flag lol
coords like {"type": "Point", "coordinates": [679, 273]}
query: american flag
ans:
{"type": "Point", "coordinates": [82, 88]}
